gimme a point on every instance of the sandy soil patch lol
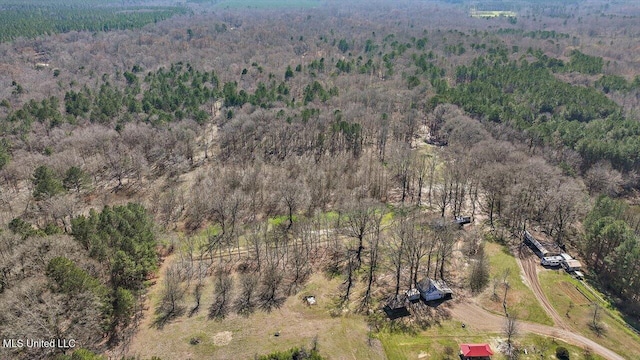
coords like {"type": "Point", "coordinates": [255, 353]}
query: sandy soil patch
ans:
{"type": "Point", "coordinates": [222, 338]}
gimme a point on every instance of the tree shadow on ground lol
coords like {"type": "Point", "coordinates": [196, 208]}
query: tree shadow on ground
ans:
{"type": "Point", "coordinates": [218, 310]}
{"type": "Point", "coordinates": [271, 303]}
{"type": "Point", "coordinates": [164, 317]}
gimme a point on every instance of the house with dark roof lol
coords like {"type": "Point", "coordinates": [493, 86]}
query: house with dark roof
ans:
{"type": "Point", "coordinates": [475, 351]}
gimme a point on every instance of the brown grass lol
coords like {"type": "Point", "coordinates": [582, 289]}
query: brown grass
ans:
{"type": "Point", "coordinates": [615, 337]}
{"type": "Point", "coordinates": [238, 337]}
{"type": "Point", "coordinates": [572, 292]}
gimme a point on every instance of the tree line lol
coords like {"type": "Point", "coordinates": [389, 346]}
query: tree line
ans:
{"type": "Point", "coordinates": [85, 287]}
{"type": "Point", "coordinates": [34, 20]}
{"type": "Point", "coordinates": [308, 145]}
{"type": "Point", "coordinates": [529, 97]}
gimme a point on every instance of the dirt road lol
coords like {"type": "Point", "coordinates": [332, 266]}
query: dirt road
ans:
{"type": "Point", "coordinates": [529, 264]}
{"type": "Point", "coordinates": [476, 317]}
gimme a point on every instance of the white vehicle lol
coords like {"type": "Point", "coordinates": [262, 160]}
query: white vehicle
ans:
{"type": "Point", "coordinates": [551, 260]}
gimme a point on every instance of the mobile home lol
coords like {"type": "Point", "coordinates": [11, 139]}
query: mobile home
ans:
{"type": "Point", "coordinates": [535, 244]}
{"type": "Point", "coordinates": [551, 261]}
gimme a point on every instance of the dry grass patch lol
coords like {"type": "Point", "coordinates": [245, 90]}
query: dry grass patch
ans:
{"type": "Point", "coordinates": [579, 314]}
{"type": "Point", "coordinates": [240, 337]}
{"type": "Point", "coordinates": [519, 297]}
{"type": "Point", "coordinates": [577, 297]}
{"type": "Point", "coordinates": [435, 342]}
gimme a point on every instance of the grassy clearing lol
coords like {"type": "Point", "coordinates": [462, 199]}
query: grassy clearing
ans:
{"type": "Point", "coordinates": [519, 297]}
{"type": "Point", "coordinates": [328, 216]}
{"type": "Point", "coordinates": [432, 341]}
{"type": "Point", "coordinates": [281, 220]}
{"type": "Point", "coordinates": [432, 344]}
{"type": "Point", "coordinates": [239, 337]}
{"type": "Point", "coordinates": [566, 296]}
{"type": "Point", "coordinates": [540, 347]}
{"type": "Point", "coordinates": [269, 4]}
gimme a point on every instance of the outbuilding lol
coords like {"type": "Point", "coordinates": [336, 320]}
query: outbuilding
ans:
{"type": "Point", "coordinates": [462, 220]}
{"type": "Point", "coordinates": [571, 265]}
{"type": "Point", "coordinates": [535, 245]}
{"type": "Point", "coordinates": [475, 351]}
{"type": "Point", "coordinates": [434, 289]}
{"type": "Point", "coordinates": [413, 294]}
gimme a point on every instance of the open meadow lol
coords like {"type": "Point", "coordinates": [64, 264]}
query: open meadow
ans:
{"type": "Point", "coordinates": [573, 300]}
{"type": "Point", "coordinates": [520, 298]}
{"type": "Point", "coordinates": [345, 336]}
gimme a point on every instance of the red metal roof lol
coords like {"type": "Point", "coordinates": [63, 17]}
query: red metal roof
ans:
{"type": "Point", "coordinates": [471, 350]}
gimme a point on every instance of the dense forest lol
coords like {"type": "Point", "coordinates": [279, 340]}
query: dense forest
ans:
{"type": "Point", "coordinates": [31, 19]}
{"type": "Point", "coordinates": [336, 139]}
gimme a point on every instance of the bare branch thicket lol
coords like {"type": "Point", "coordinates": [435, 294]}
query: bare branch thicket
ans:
{"type": "Point", "coordinates": [511, 330]}
{"type": "Point", "coordinates": [172, 295]}
{"type": "Point", "coordinates": [222, 293]}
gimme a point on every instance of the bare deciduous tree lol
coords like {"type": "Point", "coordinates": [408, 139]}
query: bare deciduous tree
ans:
{"type": "Point", "coordinates": [479, 275]}
{"type": "Point", "coordinates": [360, 221]}
{"type": "Point", "coordinates": [223, 285]}
{"type": "Point", "coordinates": [511, 330]}
{"type": "Point", "coordinates": [172, 295]}
{"type": "Point", "coordinates": [374, 245]}
{"type": "Point", "coordinates": [245, 302]}
{"type": "Point", "coordinates": [270, 282]}
{"type": "Point", "coordinates": [595, 323]}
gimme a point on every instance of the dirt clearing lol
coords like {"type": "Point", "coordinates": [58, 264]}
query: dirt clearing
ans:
{"type": "Point", "coordinates": [572, 292]}
{"type": "Point", "coordinates": [222, 338]}
{"type": "Point", "coordinates": [243, 337]}
{"type": "Point", "coordinates": [477, 318]}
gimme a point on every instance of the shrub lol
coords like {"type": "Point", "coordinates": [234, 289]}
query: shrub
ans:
{"type": "Point", "coordinates": [562, 353]}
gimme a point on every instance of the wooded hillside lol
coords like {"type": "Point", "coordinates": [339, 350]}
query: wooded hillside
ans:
{"type": "Point", "coordinates": [132, 132]}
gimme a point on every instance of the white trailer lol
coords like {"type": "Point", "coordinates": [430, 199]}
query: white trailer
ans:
{"type": "Point", "coordinates": [532, 241]}
{"type": "Point", "coordinates": [551, 260]}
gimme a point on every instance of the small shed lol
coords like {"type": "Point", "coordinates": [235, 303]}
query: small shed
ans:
{"type": "Point", "coordinates": [412, 294]}
{"type": "Point", "coordinates": [396, 307]}
{"type": "Point", "coordinates": [462, 220]}
{"type": "Point", "coordinates": [434, 289]}
{"type": "Point", "coordinates": [475, 351]}
{"type": "Point", "coordinates": [571, 265]}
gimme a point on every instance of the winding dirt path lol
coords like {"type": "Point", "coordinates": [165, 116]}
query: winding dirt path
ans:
{"type": "Point", "coordinates": [529, 266]}
{"type": "Point", "coordinates": [474, 316]}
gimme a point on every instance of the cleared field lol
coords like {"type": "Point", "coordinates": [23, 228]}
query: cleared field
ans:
{"type": "Point", "coordinates": [566, 295]}
{"type": "Point", "coordinates": [239, 337]}
{"type": "Point", "coordinates": [429, 343]}
{"type": "Point", "coordinates": [437, 341]}
{"type": "Point", "coordinates": [519, 297]}
{"type": "Point", "coordinates": [576, 296]}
